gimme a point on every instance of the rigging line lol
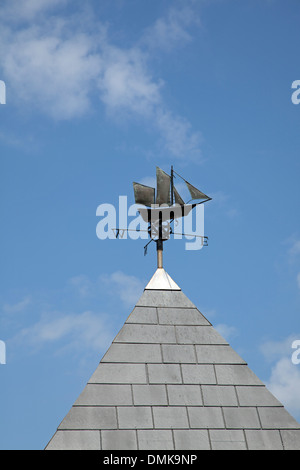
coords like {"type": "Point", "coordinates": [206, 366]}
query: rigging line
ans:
{"type": "Point", "coordinates": [146, 246]}
{"type": "Point", "coordinates": [180, 176]}
{"type": "Point", "coordinates": [196, 204]}
{"type": "Point", "coordinates": [208, 198]}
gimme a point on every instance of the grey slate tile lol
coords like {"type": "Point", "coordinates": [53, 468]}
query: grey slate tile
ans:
{"type": "Point", "coordinates": [189, 395]}
{"type": "Point", "coordinates": [262, 439]}
{"type": "Point", "coordinates": [219, 395]}
{"type": "Point", "coordinates": [217, 354]}
{"type": "Point", "coordinates": [181, 316]}
{"type": "Point", "coordinates": [276, 418]}
{"type": "Point", "coordinates": [237, 417]}
{"type": "Point", "coordinates": [198, 335]}
{"type": "Point", "coordinates": [149, 395]}
{"type": "Point", "coordinates": [156, 298]}
{"type": "Point", "coordinates": [119, 440]}
{"type": "Point", "coordinates": [90, 417]}
{"type": "Point", "coordinates": [256, 396]}
{"type": "Point", "coordinates": [226, 445]}
{"type": "Point", "coordinates": [155, 439]}
{"type": "Point", "coordinates": [191, 439]}
{"type": "Point", "coordinates": [166, 417]}
{"type": "Point", "coordinates": [128, 352]}
{"type": "Point", "coordinates": [103, 394]}
{"type": "Point", "coordinates": [134, 417]}
{"type": "Point", "coordinates": [206, 417]}
{"type": "Point", "coordinates": [180, 353]}
{"type": "Point", "coordinates": [119, 373]}
{"type": "Point", "coordinates": [198, 374]}
{"type": "Point", "coordinates": [227, 439]}
{"type": "Point", "coordinates": [290, 439]}
{"type": "Point", "coordinates": [164, 373]}
{"type": "Point", "coordinates": [235, 374]}
{"type": "Point", "coordinates": [75, 440]}
{"type": "Point", "coordinates": [133, 333]}
{"type": "Point", "coordinates": [143, 315]}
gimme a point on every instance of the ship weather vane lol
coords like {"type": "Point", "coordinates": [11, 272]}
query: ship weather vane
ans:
{"type": "Point", "coordinates": [163, 208]}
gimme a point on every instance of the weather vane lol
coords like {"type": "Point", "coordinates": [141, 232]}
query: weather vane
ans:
{"type": "Point", "coordinates": [163, 208]}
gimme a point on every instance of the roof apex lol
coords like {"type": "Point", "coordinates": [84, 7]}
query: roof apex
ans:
{"type": "Point", "coordinates": [161, 281]}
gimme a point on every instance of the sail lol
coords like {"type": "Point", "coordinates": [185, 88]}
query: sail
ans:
{"type": "Point", "coordinates": [143, 194]}
{"type": "Point", "coordinates": [163, 182]}
{"type": "Point", "coordinates": [178, 198]}
{"type": "Point", "coordinates": [196, 193]}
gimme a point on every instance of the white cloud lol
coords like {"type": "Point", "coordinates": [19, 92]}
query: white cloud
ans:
{"type": "Point", "coordinates": [226, 331]}
{"type": "Point", "coordinates": [295, 248]}
{"type": "Point", "coordinates": [293, 252]}
{"type": "Point", "coordinates": [18, 306]}
{"type": "Point", "coordinates": [284, 383]}
{"type": "Point", "coordinates": [59, 63]}
{"type": "Point", "coordinates": [68, 319]}
{"type": "Point", "coordinates": [126, 84]}
{"type": "Point", "coordinates": [121, 286]}
{"type": "Point", "coordinates": [14, 10]}
{"type": "Point", "coordinates": [171, 30]}
{"type": "Point", "coordinates": [179, 138]}
{"type": "Point", "coordinates": [51, 72]}
{"type": "Point", "coordinates": [82, 285]}
{"type": "Point", "coordinates": [80, 332]}
{"type": "Point", "coordinates": [274, 350]}
{"type": "Point", "coordinates": [128, 288]}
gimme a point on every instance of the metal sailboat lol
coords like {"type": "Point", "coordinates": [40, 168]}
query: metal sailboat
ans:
{"type": "Point", "coordinates": [165, 205]}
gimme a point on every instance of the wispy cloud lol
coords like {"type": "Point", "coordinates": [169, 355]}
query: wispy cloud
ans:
{"type": "Point", "coordinates": [15, 11]}
{"type": "Point", "coordinates": [294, 250]}
{"type": "Point", "coordinates": [228, 332]}
{"type": "Point", "coordinates": [82, 284]}
{"type": "Point", "coordinates": [172, 30]}
{"type": "Point", "coordinates": [73, 332]}
{"type": "Point", "coordinates": [17, 307]}
{"type": "Point", "coordinates": [284, 381]}
{"type": "Point", "coordinates": [76, 319]}
{"type": "Point", "coordinates": [58, 64]}
{"type": "Point", "coordinates": [127, 287]}
{"type": "Point", "coordinates": [49, 69]}
{"type": "Point", "coordinates": [274, 350]}
{"type": "Point", "coordinates": [293, 256]}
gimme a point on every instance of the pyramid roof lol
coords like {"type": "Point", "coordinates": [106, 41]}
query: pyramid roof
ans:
{"type": "Point", "coordinates": [169, 380]}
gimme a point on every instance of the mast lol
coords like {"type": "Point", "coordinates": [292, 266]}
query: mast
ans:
{"type": "Point", "coordinates": [159, 242]}
{"type": "Point", "coordinates": [172, 186]}
{"type": "Point", "coordinates": [159, 249]}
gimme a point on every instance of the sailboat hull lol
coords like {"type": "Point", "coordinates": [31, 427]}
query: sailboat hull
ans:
{"type": "Point", "coordinates": [165, 213]}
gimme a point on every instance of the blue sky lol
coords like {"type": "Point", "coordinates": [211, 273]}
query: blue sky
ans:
{"type": "Point", "coordinates": [97, 95]}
